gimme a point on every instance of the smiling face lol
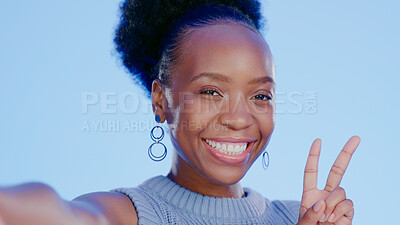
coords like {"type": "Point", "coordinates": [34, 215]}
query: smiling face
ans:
{"type": "Point", "coordinates": [220, 103]}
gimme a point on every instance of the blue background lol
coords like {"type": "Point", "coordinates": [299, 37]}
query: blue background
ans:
{"type": "Point", "coordinates": [346, 53]}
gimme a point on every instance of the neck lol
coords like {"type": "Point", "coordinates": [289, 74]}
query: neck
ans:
{"type": "Point", "coordinates": [186, 176]}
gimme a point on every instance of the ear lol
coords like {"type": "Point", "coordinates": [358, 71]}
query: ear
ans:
{"type": "Point", "coordinates": [159, 100]}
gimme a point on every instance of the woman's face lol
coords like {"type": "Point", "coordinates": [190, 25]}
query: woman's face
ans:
{"type": "Point", "coordinates": [221, 102]}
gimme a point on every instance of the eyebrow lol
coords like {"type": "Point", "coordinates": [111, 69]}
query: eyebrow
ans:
{"type": "Point", "coordinates": [224, 78]}
{"type": "Point", "coordinates": [265, 79]}
{"type": "Point", "coordinates": [214, 76]}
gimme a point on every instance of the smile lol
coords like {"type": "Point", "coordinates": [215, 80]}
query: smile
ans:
{"type": "Point", "coordinates": [227, 147]}
{"type": "Point", "coordinates": [229, 151]}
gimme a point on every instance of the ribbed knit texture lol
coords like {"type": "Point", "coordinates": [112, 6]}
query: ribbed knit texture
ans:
{"type": "Point", "coordinates": [160, 200]}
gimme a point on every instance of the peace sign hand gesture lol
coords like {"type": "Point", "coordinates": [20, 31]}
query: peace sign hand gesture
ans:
{"type": "Point", "coordinates": [328, 206]}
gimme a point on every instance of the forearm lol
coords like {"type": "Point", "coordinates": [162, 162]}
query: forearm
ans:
{"type": "Point", "coordinates": [36, 203]}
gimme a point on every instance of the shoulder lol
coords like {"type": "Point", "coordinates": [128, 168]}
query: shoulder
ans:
{"type": "Point", "coordinates": [117, 208]}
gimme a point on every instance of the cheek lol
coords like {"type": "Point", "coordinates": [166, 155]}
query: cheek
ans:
{"type": "Point", "coordinates": [196, 115]}
{"type": "Point", "coordinates": [187, 133]}
{"type": "Point", "coordinates": [201, 105]}
{"type": "Point", "coordinates": [189, 118]}
{"type": "Point", "coordinates": [192, 117]}
{"type": "Point", "coordinates": [265, 117]}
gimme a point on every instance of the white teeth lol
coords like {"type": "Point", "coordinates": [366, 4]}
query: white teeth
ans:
{"type": "Point", "coordinates": [228, 149]}
{"type": "Point", "coordinates": [237, 148]}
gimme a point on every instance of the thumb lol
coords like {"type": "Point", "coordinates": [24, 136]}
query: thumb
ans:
{"type": "Point", "coordinates": [313, 214]}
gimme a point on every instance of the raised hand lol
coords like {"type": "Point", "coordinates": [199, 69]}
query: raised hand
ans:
{"type": "Point", "coordinates": [330, 205]}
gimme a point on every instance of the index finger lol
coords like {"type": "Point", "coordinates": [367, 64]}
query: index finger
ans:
{"type": "Point", "coordinates": [311, 169]}
{"type": "Point", "coordinates": [342, 161]}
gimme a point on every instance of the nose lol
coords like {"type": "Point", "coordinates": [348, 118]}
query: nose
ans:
{"type": "Point", "coordinates": [236, 114]}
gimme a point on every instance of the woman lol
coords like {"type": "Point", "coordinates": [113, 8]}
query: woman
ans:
{"type": "Point", "coordinates": [211, 77]}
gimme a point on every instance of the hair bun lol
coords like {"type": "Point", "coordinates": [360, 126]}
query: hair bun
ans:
{"type": "Point", "coordinates": [143, 24]}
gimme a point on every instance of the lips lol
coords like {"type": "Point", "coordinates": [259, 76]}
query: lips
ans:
{"type": "Point", "coordinates": [228, 148]}
{"type": "Point", "coordinates": [232, 151]}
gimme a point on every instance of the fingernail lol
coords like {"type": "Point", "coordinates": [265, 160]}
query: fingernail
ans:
{"type": "Point", "coordinates": [322, 218]}
{"type": "Point", "coordinates": [331, 217]}
{"type": "Point", "coordinates": [317, 206]}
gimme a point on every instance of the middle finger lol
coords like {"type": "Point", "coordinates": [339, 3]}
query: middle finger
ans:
{"type": "Point", "coordinates": [341, 163]}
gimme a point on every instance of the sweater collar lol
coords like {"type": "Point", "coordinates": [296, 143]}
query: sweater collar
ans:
{"type": "Point", "coordinates": [250, 206]}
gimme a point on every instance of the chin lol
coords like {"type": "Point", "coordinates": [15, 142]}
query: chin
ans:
{"type": "Point", "coordinates": [225, 176]}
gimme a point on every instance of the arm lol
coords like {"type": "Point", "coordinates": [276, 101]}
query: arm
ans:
{"type": "Point", "coordinates": [37, 203]}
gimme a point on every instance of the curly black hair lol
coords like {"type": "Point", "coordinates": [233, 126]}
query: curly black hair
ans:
{"type": "Point", "coordinates": [150, 32]}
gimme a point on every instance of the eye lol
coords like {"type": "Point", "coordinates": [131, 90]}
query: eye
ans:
{"type": "Point", "coordinates": [263, 97]}
{"type": "Point", "coordinates": [209, 92]}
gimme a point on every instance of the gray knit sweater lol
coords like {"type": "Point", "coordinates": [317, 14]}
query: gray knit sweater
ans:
{"type": "Point", "coordinates": [159, 200]}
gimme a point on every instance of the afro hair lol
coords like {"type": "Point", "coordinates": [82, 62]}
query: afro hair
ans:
{"type": "Point", "coordinates": [140, 37]}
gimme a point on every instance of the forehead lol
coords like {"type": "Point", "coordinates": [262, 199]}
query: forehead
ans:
{"type": "Point", "coordinates": [229, 49]}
